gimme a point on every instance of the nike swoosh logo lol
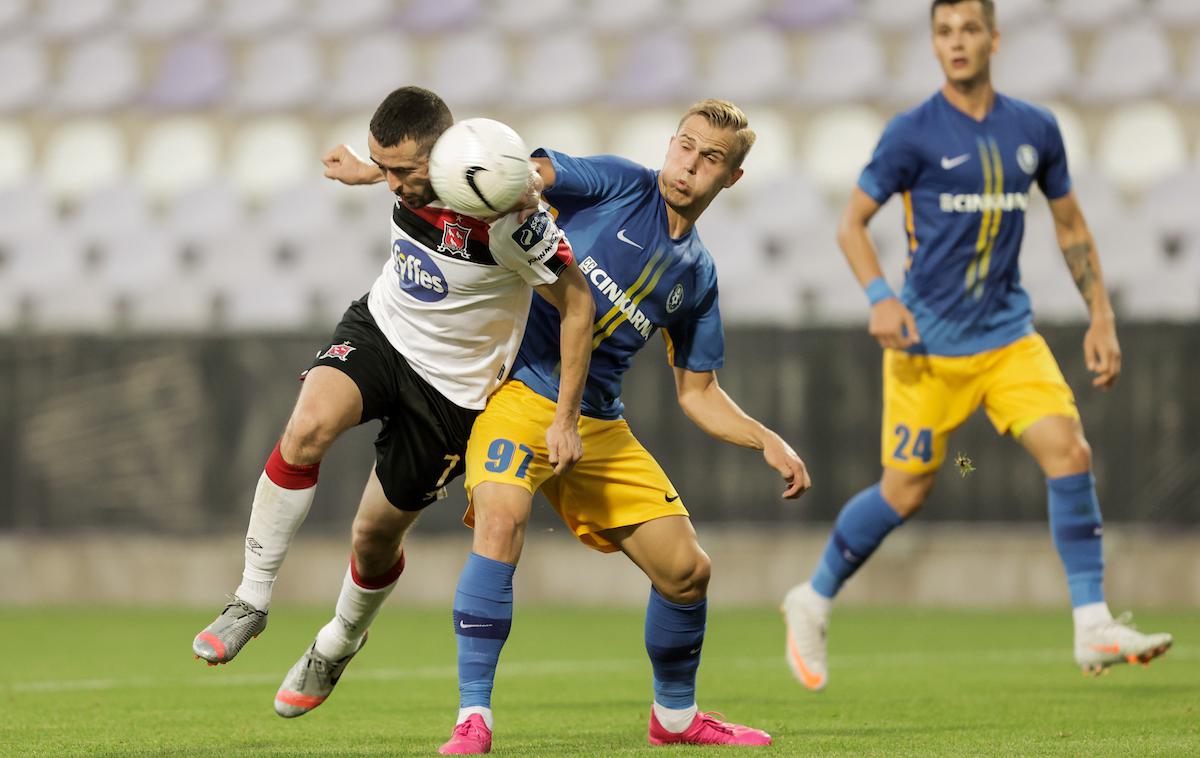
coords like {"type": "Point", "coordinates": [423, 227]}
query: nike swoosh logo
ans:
{"type": "Point", "coordinates": [470, 176]}
{"type": "Point", "coordinates": [465, 625]}
{"type": "Point", "coordinates": [949, 163]}
{"type": "Point", "coordinates": [621, 236]}
{"type": "Point", "coordinates": [694, 651]}
{"type": "Point", "coordinates": [670, 499]}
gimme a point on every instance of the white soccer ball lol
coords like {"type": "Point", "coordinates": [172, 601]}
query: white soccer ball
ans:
{"type": "Point", "coordinates": [480, 167]}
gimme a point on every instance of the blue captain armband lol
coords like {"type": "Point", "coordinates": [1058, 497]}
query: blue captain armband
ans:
{"type": "Point", "coordinates": [878, 290]}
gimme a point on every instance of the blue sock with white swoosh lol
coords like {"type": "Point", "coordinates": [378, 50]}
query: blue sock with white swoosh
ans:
{"type": "Point", "coordinates": [1076, 525]}
{"type": "Point", "coordinates": [674, 637]}
{"type": "Point", "coordinates": [482, 619]}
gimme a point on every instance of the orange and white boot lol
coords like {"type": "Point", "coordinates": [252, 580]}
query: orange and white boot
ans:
{"type": "Point", "coordinates": [806, 614]}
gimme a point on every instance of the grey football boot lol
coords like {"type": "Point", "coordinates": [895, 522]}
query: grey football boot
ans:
{"type": "Point", "coordinates": [310, 681]}
{"type": "Point", "coordinates": [224, 638]}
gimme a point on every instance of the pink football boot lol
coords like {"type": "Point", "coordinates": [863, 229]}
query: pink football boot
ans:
{"type": "Point", "coordinates": [707, 729]}
{"type": "Point", "coordinates": [471, 737]}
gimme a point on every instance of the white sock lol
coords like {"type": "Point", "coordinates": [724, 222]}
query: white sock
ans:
{"type": "Point", "coordinates": [675, 719]}
{"type": "Point", "coordinates": [465, 713]}
{"type": "Point", "coordinates": [274, 518]}
{"type": "Point", "coordinates": [357, 607]}
{"type": "Point", "coordinates": [1090, 615]}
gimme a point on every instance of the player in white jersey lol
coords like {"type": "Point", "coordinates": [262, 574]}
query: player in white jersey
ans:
{"type": "Point", "coordinates": [422, 352]}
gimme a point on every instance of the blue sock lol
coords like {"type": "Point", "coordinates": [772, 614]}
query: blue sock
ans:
{"type": "Point", "coordinates": [1076, 526]}
{"type": "Point", "coordinates": [674, 636]}
{"type": "Point", "coordinates": [482, 619]}
{"type": "Point", "coordinates": [860, 528]}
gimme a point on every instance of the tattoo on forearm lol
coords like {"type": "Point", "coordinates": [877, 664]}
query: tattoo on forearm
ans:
{"type": "Point", "coordinates": [1079, 260]}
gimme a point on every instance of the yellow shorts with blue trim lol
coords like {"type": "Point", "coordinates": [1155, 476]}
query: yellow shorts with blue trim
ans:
{"type": "Point", "coordinates": [616, 483]}
{"type": "Point", "coordinates": [926, 397]}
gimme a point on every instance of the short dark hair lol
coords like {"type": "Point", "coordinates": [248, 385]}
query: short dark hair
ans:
{"type": "Point", "coordinates": [989, 9]}
{"type": "Point", "coordinates": [410, 113]}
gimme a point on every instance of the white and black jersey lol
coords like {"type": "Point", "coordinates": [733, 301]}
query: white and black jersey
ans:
{"type": "Point", "coordinates": [454, 296]}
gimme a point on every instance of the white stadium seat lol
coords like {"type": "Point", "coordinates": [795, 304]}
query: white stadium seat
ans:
{"type": "Point", "coordinates": [193, 73]}
{"type": "Point", "coordinates": [99, 74]}
{"type": "Point", "coordinates": [568, 131]}
{"type": "Point", "coordinates": [81, 157]}
{"type": "Point", "coordinates": [1140, 144]}
{"type": "Point", "coordinates": [177, 154]}
{"type": "Point", "coordinates": [470, 68]}
{"type": "Point", "coordinates": [918, 73]}
{"type": "Point", "coordinates": [842, 64]}
{"type": "Point", "coordinates": [272, 153]}
{"type": "Point", "coordinates": [16, 154]}
{"type": "Point", "coordinates": [258, 19]}
{"type": "Point", "coordinates": [349, 17]}
{"type": "Point", "coordinates": [772, 158]}
{"type": "Point", "coordinates": [1176, 13]}
{"type": "Point", "coordinates": [837, 144]}
{"type": "Point", "coordinates": [624, 16]}
{"type": "Point", "coordinates": [14, 14]}
{"type": "Point", "coordinates": [512, 16]}
{"type": "Point", "coordinates": [808, 14]}
{"type": "Point", "coordinates": [282, 72]}
{"type": "Point", "coordinates": [452, 16]}
{"type": "Point", "coordinates": [578, 80]}
{"type": "Point", "coordinates": [26, 210]}
{"type": "Point", "coordinates": [707, 16]}
{"type": "Point", "coordinates": [1036, 62]}
{"type": "Point", "coordinates": [112, 211]}
{"type": "Point", "coordinates": [749, 65]}
{"type": "Point", "coordinates": [26, 71]}
{"type": "Point", "coordinates": [1187, 88]}
{"type": "Point", "coordinates": [366, 68]}
{"type": "Point", "coordinates": [75, 18]}
{"type": "Point", "coordinates": [1094, 14]}
{"type": "Point", "coordinates": [1170, 293]}
{"type": "Point", "coordinates": [156, 19]}
{"type": "Point", "coordinates": [657, 66]}
{"type": "Point", "coordinates": [896, 14]}
{"type": "Point", "coordinates": [202, 214]}
{"type": "Point", "coordinates": [1169, 206]}
{"type": "Point", "coordinates": [301, 211]}
{"type": "Point", "coordinates": [643, 136]}
{"type": "Point", "coordinates": [1128, 61]}
{"type": "Point", "coordinates": [1074, 134]}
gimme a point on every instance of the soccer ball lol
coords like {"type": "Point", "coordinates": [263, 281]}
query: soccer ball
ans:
{"type": "Point", "coordinates": [480, 167]}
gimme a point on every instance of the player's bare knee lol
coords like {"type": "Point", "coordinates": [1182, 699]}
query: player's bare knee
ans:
{"type": "Point", "coordinates": [906, 493]}
{"type": "Point", "coordinates": [307, 436]}
{"type": "Point", "coordinates": [689, 584]}
{"type": "Point", "coordinates": [375, 549]}
{"type": "Point", "coordinates": [1077, 456]}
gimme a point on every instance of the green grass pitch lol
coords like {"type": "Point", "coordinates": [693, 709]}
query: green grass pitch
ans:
{"type": "Point", "coordinates": [576, 683]}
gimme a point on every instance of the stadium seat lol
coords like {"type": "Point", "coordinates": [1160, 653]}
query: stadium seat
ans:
{"type": "Point", "coordinates": [470, 68]}
{"type": "Point", "coordinates": [62, 19]}
{"type": "Point", "coordinates": [177, 154]}
{"type": "Point", "coordinates": [1098, 195]}
{"type": "Point", "coordinates": [1176, 13]}
{"type": "Point", "coordinates": [624, 16]}
{"type": "Point", "coordinates": [194, 73]}
{"type": "Point", "coordinates": [26, 210]}
{"type": "Point", "coordinates": [1171, 293]}
{"type": "Point", "coordinates": [1140, 144]}
{"type": "Point", "coordinates": [339, 266]}
{"type": "Point", "coordinates": [1036, 62]}
{"type": "Point", "coordinates": [773, 155]}
{"type": "Point", "coordinates": [658, 66]}
{"type": "Point", "coordinates": [575, 83]}
{"type": "Point", "coordinates": [1012, 14]}
{"type": "Point", "coordinates": [14, 14]}
{"type": "Point", "coordinates": [569, 131]}
{"type": "Point", "coordinates": [783, 204]}
{"type": "Point", "coordinates": [81, 157]}
{"type": "Point", "coordinates": [918, 73]}
{"type": "Point", "coordinates": [258, 19]}
{"type": "Point", "coordinates": [707, 16]}
{"type": "Point", "coordinates": [841, 64]}
{"type": "Point", "coordinates": [1169, 207]}
{"type": "Point", "coordinates": [49, 273]}
{"type": "Point", "coordinates": [894, 15]}
{"type": "Point", "coordinates": [16, 154]}
{"type": "Point", "coordinates": [200, 215]}
{"type": "Point", "coordinates": [643, 136]}
{"type": "Point", "coordinates": [1075, 137]}
{"type": "Point", "coordinates": [175, 305]}
{"type": "Point", "coordinates": [808, 14]}
{"type": "Point", "coordinates": [1128, 61]}
{"type": "Point", "coordinates": [98, 74]}
{"type": "Point", "coordinates": [272, 153]}
{"type": "Point", "coordinates": [1187, 88]}
{"type": "Point", "coordinates": [754, 286]}
{"type": "Point", "coordinates": [751, 65]}
{"type": "Point", "coordinates": [889, 234]}
{"type": "Point", "coordinates": [350, 17]}
{"type": "Point", "coordinates": [837, 144]}
{"type": "Point", "coordinates": [453, 16]}
{"type": "Point", "coordinates": [112, 211]}
{"type": "Point", "coordinates": [282, 72]}
{"type": "Point", "coordinates": [301, 211]}
{"type": "Point", "coordinates": [155, 19]}
{"type": "Point", "coordinates": [1044, 272]}
{"type": "Point", "coordinates": [26, 71]}
{"type": "Point", "coordinates": [1095, 14]}
{"type": "Point", "coordinates": [366, 68]}
{"type": "Point", "coordinates": [512, 16]}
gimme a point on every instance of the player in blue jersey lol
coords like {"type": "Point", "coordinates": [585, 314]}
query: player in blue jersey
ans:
{"type": "Point", "coordinates": [960, 334]}
{"type": "Point", "coordinates": [633, 230]}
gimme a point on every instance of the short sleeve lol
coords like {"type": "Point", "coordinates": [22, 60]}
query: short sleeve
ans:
{"type": "Point", "coordinates": [1053, 177]}
{"type": "Point", "coordinates": [534, 248]}
{"type": "Point", "coordinates": [593, 178]}
{"type": "Point", "coordinates": [893, 167]}
{"type": "Point", "coordinates": [697, 343]}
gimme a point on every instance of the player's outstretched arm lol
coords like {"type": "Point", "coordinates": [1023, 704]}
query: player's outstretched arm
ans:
{"type": "Point", "coordinates": [577, 313]}
{"type": "Point", "coordinates": [711, 409]}
{"type": "Point", "coordinates": [344, 165]}
{"type": "Point", "coordinates": [891, 323]}
{"type": "Point", "coordinates": [1101, 350]}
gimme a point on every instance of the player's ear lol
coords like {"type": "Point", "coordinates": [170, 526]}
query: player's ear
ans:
{"type": "Point", "coordinates": [733, 177]}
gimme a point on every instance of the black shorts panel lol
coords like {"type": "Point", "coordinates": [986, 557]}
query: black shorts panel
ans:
{"type": "Point", "coordinates": [423, 442]}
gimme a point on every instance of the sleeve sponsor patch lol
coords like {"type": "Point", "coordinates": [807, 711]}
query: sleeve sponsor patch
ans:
{"type": "Point", "coordinates": [533, 231]}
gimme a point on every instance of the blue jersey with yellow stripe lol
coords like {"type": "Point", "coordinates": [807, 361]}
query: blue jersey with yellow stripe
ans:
{"type": "Point", "coordinates": [642, 280]}
{"type": "Point", "coordinates": [965, 187]}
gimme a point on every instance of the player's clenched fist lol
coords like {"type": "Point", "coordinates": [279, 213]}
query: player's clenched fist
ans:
{"type": "Point", "coordinates": [344, 165]}
{"type": "Point", "coordinates": [564, 445]}
{"type": "Point", "coordinates": [893, 325]}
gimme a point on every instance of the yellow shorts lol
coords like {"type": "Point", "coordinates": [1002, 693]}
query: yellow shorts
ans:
{"type": "Point", "coordinates": [926, 397]}
{"type": "Point", "coordinates": [616, 483]}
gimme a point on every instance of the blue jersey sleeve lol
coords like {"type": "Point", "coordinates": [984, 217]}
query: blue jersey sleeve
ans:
{"type": "Point", "coordinates": [893, 167]}
{"type": "Point", "coordinates": [1053, 177]}
{"type": "Point", "coordinates": [594, 178]}
{"type": "Point", "coordinates": [697, 343]}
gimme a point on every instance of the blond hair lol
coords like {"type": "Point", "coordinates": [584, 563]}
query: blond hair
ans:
{"type": "Point", "coordinates": [723, 114]}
